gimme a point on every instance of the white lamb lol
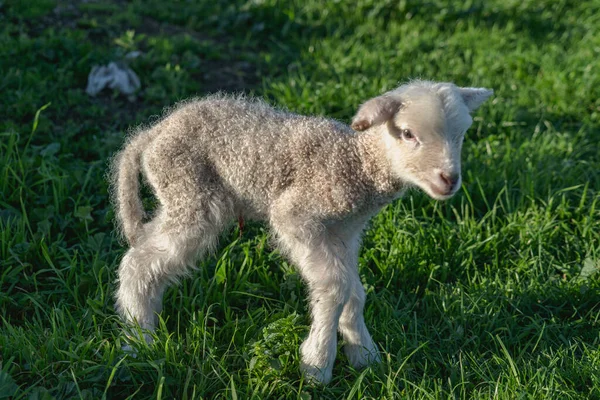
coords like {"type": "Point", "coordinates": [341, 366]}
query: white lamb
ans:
{"type": "Point", "coordinates": [313, 180]}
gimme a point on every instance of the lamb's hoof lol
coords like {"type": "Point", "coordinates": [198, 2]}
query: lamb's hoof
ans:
{"type": "Point", "coordinates": [361, 356]}
{"type": "Point", "coordinates": [129, 350]}
{"type": "Point", "coordinates": [315, 374]}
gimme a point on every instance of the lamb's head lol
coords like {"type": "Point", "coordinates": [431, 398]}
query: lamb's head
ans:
{"type": "Point", "coordinates": [422, 126]}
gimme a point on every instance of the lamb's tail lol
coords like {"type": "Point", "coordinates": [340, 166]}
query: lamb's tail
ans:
{"type": "Point", "coordinates": [126, 167]}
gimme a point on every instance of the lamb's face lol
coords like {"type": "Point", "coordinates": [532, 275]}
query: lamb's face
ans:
{"type": "Point", "coordinates": [424, 140]}
{"type": "Point", "coordinates": [423, 126]}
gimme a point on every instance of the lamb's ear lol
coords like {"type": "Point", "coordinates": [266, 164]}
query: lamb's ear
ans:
{"type": "Point", "coordinates": [474, 97]}
{"type": "Point", "coordinates": [374, 112]}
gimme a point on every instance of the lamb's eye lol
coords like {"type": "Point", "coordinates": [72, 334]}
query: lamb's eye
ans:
{"type": "Point", "coordinates": [407, 135]}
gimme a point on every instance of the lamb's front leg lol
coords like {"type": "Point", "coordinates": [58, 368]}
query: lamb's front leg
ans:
{"type": "Point", "coordinates": [324, 271]}
{"type": "Point", "coordinates": [360, 348]}
{"type": "Point", "coordinates": [328, 294]}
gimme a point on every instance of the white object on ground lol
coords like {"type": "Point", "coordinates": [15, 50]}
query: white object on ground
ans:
{"type": "Point", "coordinates": [133, 54]}
{"type": "Point", "coordinates": [115, 76]}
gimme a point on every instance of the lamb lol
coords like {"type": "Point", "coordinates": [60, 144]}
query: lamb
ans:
{"type": "Point", "coordinates": [315, 181]}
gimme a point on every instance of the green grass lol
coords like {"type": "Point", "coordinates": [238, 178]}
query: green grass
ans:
{"type": "Point", "coordinates": [494, 294]}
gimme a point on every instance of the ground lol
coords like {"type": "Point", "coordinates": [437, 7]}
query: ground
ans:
{"type": "Point", "coordinates": [493, 294]}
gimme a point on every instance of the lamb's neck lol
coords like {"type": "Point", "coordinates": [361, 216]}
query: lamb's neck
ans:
{"type": "Point", "coordinates": [375, 165]}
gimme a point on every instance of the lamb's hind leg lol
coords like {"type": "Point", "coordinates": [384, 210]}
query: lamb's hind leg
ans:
{"type": "Point", "coordinates": [188, 225]}
{"type": "Point", "coordinates": [147, 269]}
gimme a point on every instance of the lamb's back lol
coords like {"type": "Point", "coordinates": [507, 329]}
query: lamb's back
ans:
{"type": "Point", "coordinates": [259, 151]}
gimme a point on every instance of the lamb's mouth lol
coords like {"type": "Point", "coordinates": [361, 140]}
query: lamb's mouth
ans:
{"type": "Point", "coordinates": [440, 193]}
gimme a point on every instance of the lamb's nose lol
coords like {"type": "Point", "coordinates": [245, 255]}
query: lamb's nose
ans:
{"type": "Point", "coordinates": [449, 179]}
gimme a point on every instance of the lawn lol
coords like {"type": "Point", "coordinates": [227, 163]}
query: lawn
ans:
{"type": "Point", "coordinates": [493, 294]}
